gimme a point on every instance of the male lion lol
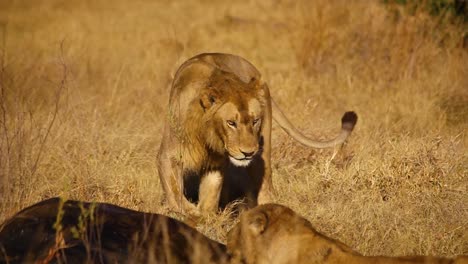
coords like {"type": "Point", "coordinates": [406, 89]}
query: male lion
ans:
{"type": "Point", "coordinates": [275, 234]}
{"type": "Point", "coordinates": [58, 231]}
{"type": "Point", "coordinates": [217, 135]}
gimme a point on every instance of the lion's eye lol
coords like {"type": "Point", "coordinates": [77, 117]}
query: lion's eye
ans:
{"type": "Point", "coordinates": [231, 123]}
{"type": "Point", "coordinates": [255, 121]}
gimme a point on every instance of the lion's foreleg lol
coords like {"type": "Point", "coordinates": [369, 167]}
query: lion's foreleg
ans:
{"type": "Point", "coordinates": [170, 174]}
{"type": "Point", "coordinates": [262, 168]}
{"type": "Point", "coordinates": [262, 190]}
{"type": "Point", "coordinates": [209, 192]}
{"type": "Point", "coordinates": [266, 193]}
{"type": "Point", "coordinates": [177, 187]}
{"type": "Point", "coordinates": [169, 181]}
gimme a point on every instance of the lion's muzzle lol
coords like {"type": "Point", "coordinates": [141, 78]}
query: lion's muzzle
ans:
{"type": "Point", "coordinates": [243, 162]}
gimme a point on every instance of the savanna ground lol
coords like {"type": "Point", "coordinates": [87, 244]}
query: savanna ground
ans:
{"type": "Point", "coordinates": [84, 88]}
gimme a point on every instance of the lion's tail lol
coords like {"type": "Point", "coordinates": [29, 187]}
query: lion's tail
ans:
{"type": "Point", "coordinates": [348, 121]}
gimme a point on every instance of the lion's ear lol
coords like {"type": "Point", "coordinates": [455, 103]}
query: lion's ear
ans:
{"type": "Point", "coordinates": [208, 99]}
{"type": "Point", "coordinates": [258, 223]}
{"type": "Point", "coordinates": [256, 82]}
{"type": "Point", "coordinates": [233, 239]}
{"type": "Point", "coordinates": [259, 85]}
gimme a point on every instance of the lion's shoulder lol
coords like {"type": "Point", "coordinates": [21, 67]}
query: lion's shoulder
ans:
{"type": "Point", "coordinates": [204, 64]}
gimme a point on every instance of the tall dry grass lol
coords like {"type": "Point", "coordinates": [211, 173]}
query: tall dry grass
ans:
{"type": "Point", "coordinates": [84, 87]}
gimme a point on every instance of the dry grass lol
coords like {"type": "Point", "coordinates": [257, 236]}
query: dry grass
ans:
{"type": "Point", "coordinates": [84, 88]}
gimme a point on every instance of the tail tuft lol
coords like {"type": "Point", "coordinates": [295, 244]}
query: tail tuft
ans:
{"type": "Point", "coordinates": [349, 120]}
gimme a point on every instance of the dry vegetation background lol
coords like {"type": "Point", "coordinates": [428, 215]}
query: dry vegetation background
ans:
{"type": "Point", "coordinates": [84, 90]}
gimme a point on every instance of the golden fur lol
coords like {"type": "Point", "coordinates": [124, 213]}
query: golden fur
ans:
{"type": "Point", "coordinates": [216, 142]}
{"type": "Point", "coordinates": [275, 234]}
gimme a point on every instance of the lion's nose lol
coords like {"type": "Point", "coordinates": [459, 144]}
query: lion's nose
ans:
{"type": "Point", "coordinates": [248, 154]}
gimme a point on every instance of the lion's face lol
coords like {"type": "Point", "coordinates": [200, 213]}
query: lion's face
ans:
{"type": "Point", "coordinates": [269, 233]}
{"type": "Point", "coordinates": [240, 125]}
{"type": "Point", "coordinates": [236, 114]}
{"type": "Point", "coordinates": [275, 234]}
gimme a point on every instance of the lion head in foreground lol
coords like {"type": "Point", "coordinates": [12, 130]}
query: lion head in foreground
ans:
{"type": "Point", "coordinates": [274, 234]}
